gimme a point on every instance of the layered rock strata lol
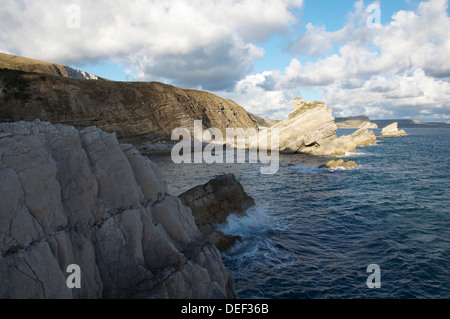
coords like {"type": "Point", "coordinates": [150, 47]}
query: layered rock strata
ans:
{"type": "Point", "coordinates": [79, 197]}
{"type": "Point", "coordinates": [143, 112]}
{"type": "Point", "coordinates": [311, 129]}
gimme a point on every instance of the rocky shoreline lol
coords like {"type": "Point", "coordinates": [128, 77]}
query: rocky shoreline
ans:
{"type": "Point", "coordinates": [212, 203]}
{"type": "Point", "coordinates": [80, 197]}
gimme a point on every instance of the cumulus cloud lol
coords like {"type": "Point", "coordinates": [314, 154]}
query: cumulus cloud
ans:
{"type": "Point", "coordinates": [398, 69]}
{"type": "Point", "coordinates": [196, 43]}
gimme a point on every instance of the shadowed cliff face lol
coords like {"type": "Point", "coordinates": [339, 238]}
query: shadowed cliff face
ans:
{"type": "Point", "coordinates": [213, 202]}
{"type": "Point", "coordinates": [79, 197]}
{"type": "Point", "coordinates": [138, 112]}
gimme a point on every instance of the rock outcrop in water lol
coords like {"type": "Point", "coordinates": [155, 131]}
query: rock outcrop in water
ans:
{"type": "Point", "coordinates": [340, 163]}
{"type": "Point", "coordinates": [348, 143]}
{"type": "Point", "coordinates": [311, 129]}
{"type": "Point", "coordinates": [307, 130]}
{"type": "Point", "coordinates": [79, 197]}
{"type": "Point", "coordinates": [213, 202]}
{"type": "Point", "coordinates": [392, 131]}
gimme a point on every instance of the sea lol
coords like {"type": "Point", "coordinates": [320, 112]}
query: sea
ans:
{"type": "Point", "coordinates": [314, 232]}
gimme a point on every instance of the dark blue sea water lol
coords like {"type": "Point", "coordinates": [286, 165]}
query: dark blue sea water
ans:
{"type": "Point", "coordinates": [314, 231]}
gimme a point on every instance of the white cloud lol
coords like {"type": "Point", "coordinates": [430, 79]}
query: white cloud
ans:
{"type": "Point", "coordinates": [189, 43]}
{"type": "Point", "coordinates": [274, 104]}
{"type": "Point", "coordinates": [396, 70]}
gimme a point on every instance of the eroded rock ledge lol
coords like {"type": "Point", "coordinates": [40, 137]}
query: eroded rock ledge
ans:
{"type": "Point", "coordinates": [213, 202]}
{"type": "Point", "coordinates": [79, 197]}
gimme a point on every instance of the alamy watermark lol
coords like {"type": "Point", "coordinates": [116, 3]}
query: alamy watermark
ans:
{"type": "Point", "coordinates": [374, 280]}
{"type": "Point", "coordinates": [374, 19]}
{"type": "Point", "coordinates": [237, 141]}
{"type": "Point", "coordinates": [74, 279]}
{"type": "Point", "coordinates": [73, 16]}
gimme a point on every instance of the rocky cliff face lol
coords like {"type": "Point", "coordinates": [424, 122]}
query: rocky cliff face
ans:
{"type": "Point", "coordinates": [139, 112]}
{"type": "Point", "coordinates": [213, 202]}
{"type": "Point", "coordinates": [79, 197]}
{"type": "Point", "coordinates": [355, 122]}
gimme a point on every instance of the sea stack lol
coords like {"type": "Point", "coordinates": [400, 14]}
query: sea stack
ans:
{"type": "Point", "coordinates": [392, 131]}
{"type": "Point", "coordinates": [311, 129]}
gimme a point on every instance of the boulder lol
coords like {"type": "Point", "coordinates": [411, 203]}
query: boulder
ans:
{"type": "Point", "coordinates": [79, 197]}
{"type": "Point", "coordinates": [213, 202]}
{"type": "Point", "coordinates": [392, 131]}
{"type": "Point", "coordinates": [339, 163]}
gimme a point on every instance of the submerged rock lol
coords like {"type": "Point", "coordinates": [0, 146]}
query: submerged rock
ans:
{"type": "Point", "coordinates": [340, 163]}
{"type": "Point", "coordinates": [213, 202]}
{"type": "Point", "coordinates": [392, 131]}
{"type": "Point", "coordinates": [79, 197]}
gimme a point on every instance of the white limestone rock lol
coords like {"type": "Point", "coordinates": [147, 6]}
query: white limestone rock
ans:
{"type": "Point", "coordinates": [392, 131]}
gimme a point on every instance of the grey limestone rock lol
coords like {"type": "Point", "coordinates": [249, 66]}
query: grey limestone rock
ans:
{"type": "Point", "coordinates": [79, 197]}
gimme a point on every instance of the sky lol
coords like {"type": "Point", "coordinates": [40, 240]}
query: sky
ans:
{"type": "Point", "coordinates": [387, 59]}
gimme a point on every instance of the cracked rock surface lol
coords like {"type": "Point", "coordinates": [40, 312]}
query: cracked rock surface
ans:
{"type": "Point", "coordinates": [79, 197]}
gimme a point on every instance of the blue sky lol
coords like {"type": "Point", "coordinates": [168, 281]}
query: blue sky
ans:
{"type": "Point", "coordinates": [260, 53]}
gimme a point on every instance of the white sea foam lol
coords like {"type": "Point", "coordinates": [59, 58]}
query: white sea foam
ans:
{"type": "Point", "coordinates": [257, 221]}
{"type": "Point", "coordinates": [353, 154]}
{"type": "Point", "coordinates": [340, 168]}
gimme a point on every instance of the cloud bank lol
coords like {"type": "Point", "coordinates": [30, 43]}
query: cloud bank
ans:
{"type": "Point", "coordinates": [196, 43]}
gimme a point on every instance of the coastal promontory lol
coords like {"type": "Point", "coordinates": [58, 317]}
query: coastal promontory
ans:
{"type": "Point", "coordinates": [78, 197]}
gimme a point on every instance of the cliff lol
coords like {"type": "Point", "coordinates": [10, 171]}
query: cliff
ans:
{"type": "Point", "coordinates": [355, 122]}
{"type": "Point", "coordinates": [14, 62]}
{"type": "Point", "coordinates": [79, 197]}
{"type": "Point", "coordinates": [262, 121]}
{"type": "Point", "coordinates": [143, 112]}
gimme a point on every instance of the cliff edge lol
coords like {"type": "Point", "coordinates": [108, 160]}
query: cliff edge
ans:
{"type": "Point", "coordinates": [79, 197]}
{"type": "Point", "coordinates": [139, 112]}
